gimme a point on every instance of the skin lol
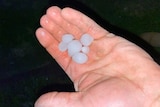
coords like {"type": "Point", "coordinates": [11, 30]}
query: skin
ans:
{"type": "Point", "coordinates": [117, 74]}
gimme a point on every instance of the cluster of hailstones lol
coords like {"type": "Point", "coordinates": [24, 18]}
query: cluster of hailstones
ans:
{"type": "Point", "coordinates": [77, 49]}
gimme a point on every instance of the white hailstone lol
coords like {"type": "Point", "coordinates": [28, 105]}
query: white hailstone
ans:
{"type": "Point", "coordinates": [77, 49]}
{"type": "Point", "coordinates": [86, 39]}
{"type": "Point", "coordinates": [74, 47]}
{"type": "Point", "coordinates": [62, 46]}
{"type": "Point", "coordinates": [67, 38]}
{"type": "Point", "coordinates": [85, 49]}
{"type": "Point", "coordinates": [80, 58]}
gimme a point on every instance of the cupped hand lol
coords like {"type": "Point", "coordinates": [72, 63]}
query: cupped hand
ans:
{"type": "Point", "coordinates": [117, 74]}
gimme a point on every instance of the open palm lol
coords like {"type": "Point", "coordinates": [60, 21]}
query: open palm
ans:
{"type": "Point", "coordinates": [117, 74]}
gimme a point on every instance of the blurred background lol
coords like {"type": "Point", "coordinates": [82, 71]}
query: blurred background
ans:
{"type": "Point", "coordinates": [28, 71]}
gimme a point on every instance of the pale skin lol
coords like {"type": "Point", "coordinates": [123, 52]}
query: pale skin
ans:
{"type": "Point", "coordinates": [117, 74]}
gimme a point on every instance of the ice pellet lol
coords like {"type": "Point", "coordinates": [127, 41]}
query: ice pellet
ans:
{"type": "Point", "coordinates": [67, 38]}
{"type": "Point", "coordinates": [62, 46]}
{"type": "Point", "coordinates": [74, 47]}
{"type": "Point", "coordinates": [80, 58]}
{"type": "Point", "coordinates": [85, 49]}
{"type": "Point", "coordinates": [86, 39]}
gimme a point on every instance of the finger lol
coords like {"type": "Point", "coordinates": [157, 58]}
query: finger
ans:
{"type": "Point", "coordinates": [52, 27]}
{"type": "Point", "coordinates": [51, 45]}
{"type": "Point", "coordinates": [83, 22]}
{"type": "Point", "coordinates": [54, 13]}
{"type": "Point", "coordinates": [55, 99]}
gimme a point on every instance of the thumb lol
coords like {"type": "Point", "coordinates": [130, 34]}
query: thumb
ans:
{"type": "Point", "coordinates": [59, 99]}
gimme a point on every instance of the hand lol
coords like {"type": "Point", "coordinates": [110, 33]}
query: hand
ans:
{"type": "Point", "coordinates": [117, 74]}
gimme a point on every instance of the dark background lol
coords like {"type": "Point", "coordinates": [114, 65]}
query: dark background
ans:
{"type": "Point", "coordinates": [27, 70]}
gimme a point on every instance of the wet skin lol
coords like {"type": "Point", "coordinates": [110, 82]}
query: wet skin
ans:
{"type": "Point", "coordinates": [117, 74]}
